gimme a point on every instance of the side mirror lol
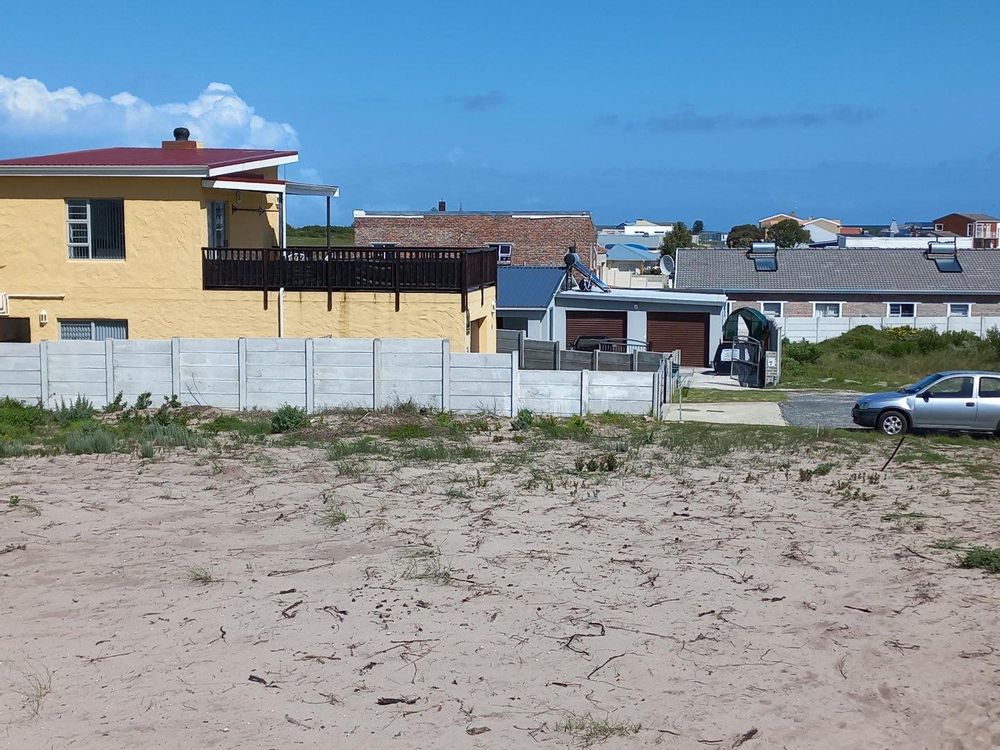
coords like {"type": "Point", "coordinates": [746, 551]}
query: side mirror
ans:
{"type": "Point", "coordinates": [926, 397]}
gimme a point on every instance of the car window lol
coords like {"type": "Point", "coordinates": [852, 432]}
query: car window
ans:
{"type": "Point", "coordinates": [989, 387]}
{"type": "Point", "coordinates": [951, 388]}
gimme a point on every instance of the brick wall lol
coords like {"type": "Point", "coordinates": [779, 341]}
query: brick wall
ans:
{"type": "Point", "coordinates": [536, 241]}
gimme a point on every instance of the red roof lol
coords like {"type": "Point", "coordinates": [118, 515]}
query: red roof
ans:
{"type": "Point", "coordinates": [209, 158]}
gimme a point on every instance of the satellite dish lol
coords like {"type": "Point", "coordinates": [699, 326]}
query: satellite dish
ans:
{"type": "Point", "coordinates": [667, 265]}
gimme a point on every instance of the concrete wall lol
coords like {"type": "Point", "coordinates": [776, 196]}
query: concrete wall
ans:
{"type": "Point", "coordinates": [315, 374]}
{"type": "Point", "coordinates": [157, 288]}
{"type": "Point", "coordinates": [820, 329]}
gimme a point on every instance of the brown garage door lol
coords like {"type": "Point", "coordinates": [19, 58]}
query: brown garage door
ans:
{"type": "Point", "coordinates": [685, 331]}
{"type": "Point", "coordinates": [603, 323]}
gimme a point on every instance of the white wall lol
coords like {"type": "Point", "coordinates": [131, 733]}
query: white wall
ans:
{"type": "Point", "coordinates": [314, 374]}
{"type": "Point", "coordinates": [916, 243]}
{"type": "Point", "coordinates": [821, 329]}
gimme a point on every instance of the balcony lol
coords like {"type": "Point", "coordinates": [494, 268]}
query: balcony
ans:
{"type": "Point", "coordinates": [350, 269]}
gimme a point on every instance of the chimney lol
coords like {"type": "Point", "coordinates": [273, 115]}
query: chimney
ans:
{"type": "Point", "coordinates": [442, 207]}
{"type": "Point", "coordinates": [181, 140]}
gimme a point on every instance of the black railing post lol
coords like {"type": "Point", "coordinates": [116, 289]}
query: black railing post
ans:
{"type": "Point", "coordinates": [264, 259]}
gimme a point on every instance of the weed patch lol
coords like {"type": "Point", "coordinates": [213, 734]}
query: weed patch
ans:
{"type": "Point", "coordinates": [288, 418]}
{"type": "Point", "coordinates": [587, 730]}
{"type": "Point", "coordinates": [982, 557]}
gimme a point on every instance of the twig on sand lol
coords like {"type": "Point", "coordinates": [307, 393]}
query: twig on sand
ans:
{"type": "Point", "coordinates": [923, 557]}
{"type": "Point", "coordinates": [289, 611]}
{"type": "Point", "coordinates": [841, 663]}
{"type": "Point", "coordinates": [301, 570]}
{"type": "Point", "coordinates": [605, 663]}
{"type": "Point", "coordinates": [748, 735]}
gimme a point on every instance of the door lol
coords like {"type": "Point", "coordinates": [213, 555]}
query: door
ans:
{"type": "Point", "coordinates": [685, 331]}
{"type": "Point", "coordinates": [988, 411]}
{"type": "Point", "coordinates": [948, 404]}
{"type": "Point", "coordinates": [594, 323]}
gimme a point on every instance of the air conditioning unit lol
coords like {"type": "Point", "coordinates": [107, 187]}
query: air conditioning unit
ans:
{"type": "Point", "coordinates": [4, 305]}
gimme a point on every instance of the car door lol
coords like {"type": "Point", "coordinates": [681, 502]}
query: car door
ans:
{"type": "Point", "coordinates": [947, 404]}
{"type": "Point", "coordinates": [988, 411]}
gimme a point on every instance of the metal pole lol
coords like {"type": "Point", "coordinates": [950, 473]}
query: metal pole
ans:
{"type": "Point", "coordinates": [327, 222]}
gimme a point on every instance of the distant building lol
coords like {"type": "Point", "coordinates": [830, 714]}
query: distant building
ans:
{"type": "Point", "coordinates": [910, 242]}
{"type": "Point", "coordinates": [820, 229]}
{"type": "Point", "coordinates": [646, 227]}
{"type": "Point", "coordinates": [982, 228]}
{"type": "Point", "coordinates": [521, 238]}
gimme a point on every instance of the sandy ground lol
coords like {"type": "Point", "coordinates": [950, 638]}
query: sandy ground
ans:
{"type": "Point", "coordinates": [712, 607]}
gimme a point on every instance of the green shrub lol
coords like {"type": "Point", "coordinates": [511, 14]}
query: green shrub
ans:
{"type": "Point", "coordinates": [90, 440]}
{"type": "Point", "coordinates": [343, 448]}
{"type": "Point", "coordinates": [74, 411]}
{"type": "Point", "coordinates": [170, 436]}
{"type": "Point", "coordinates": [288, 418]}
{"type": "Point", "coordinates": [144, 401]}
{"type": "Point", "coordinates": [524, 419]}
{"type": "Point", "coordinates": [19, 421]}
{"type": "Point", "coordinates": [12, 448]}
{"type": "Point", "coordinates": [574, 428]}
{"type": "Point", "coordinates": [146, 450]}
{"type": "Point", "coordinates": [117, 405]}
{"type": "Point", "coordinates": [408, 431]}
{"type": "Point", "coordinates": [233, 423]}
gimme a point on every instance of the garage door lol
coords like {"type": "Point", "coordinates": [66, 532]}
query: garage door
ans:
{"type": "Point", "coordinates": [685, 331]}
{"type": "Point", "coordinates": [610, 324]}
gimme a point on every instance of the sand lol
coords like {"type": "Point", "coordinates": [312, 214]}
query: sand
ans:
{"type": "Point", "coordinates": [459, 607]}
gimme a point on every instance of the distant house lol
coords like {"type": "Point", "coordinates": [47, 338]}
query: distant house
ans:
{"type": "Point", "coordinates": [982, 228]}
{"type": "Point", "coordinates": [769, 221]}
{"type": "Point", "coordinates": [647, 227]}
{"type": "Point", "coordinates": [521, 238]}
{"type": "Point", "coordinates": [709, 238]}
{"type": "Point", "coordinates": [847, 282]}
{"type": "Point", "coordinates": [631, 266]}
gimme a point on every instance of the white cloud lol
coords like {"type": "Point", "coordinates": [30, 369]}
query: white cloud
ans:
{"type": "Point", "coordinates": [217, 117]}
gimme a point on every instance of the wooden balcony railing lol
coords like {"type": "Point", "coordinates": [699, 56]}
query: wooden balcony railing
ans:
{"type": "Point", "coordinates": [350, 269]}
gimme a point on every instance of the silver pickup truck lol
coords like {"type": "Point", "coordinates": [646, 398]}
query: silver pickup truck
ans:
{"type": "Point", "coordinates": [964, 400]}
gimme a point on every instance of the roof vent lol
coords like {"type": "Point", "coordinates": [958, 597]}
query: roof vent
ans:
{"type": "Point", "coordinates": [945, 256]}
{"type": "Point", "coordinates": [181, 140]}
{"type": "Point", "coordinates": [442, 207]}
{"type": "Point", "coordinates": [764, 256]}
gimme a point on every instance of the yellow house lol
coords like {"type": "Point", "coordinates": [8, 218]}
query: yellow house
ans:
{"type": "Point", "coordinates": [152, 243]}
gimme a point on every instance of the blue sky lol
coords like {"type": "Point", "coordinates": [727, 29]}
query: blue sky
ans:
{"type": "Point", "coordinates": [723, 110]}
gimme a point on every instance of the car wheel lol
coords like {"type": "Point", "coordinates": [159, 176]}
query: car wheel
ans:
{"type": "Point", "coordinates": [891, 423]}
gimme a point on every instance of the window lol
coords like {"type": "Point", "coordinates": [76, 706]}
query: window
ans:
{"type": "Point", "coordinates": [384, 245]}
{"type": "Point", "coordinates": [92, 330]}
{"type": "Point", "coordinates": [950, 388]}
{"type": "Point", "coordinates": [939, 227]}
{"type": "Point", "coordinates": [901, 309]}
{"type": "Point", "coordinates": [777, 309]}
{"type": "Point", "coordinates": [503, 251]}
{"type": "Point", "coordinates": [989, 387]}
{"type": "Point", "coordinates": [826, 309]}
{"type": "Point", "coordinates": [95, 229]}
{"type": "Point", "coordinates": [959, 310]}
{"type": "Point", "coordinates": [218, 213]}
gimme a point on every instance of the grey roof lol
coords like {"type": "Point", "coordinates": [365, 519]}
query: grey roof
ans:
{"type": "Point", "coordinates": [527, 287]}
{"type": "Point", "coordinates": [632, 253]}
{"type": "Point", "coordinates": [842, 270]}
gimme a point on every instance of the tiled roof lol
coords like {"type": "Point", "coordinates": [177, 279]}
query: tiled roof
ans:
{"type": "Point", "coordinates": [531, 287]}
{"type": "Point", "coordinates": [857, 270]}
